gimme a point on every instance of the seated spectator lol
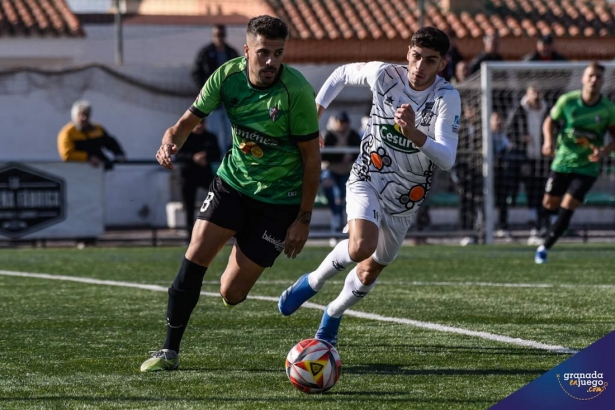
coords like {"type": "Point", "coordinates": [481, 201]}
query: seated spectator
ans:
{"type": "Point", "coordinates": [545, 51]}
{"type": "Point", "coordinates": [336, 167]}
{"type": "Point", "coordinates": [197, 158]}
{"type": "Point", "coordinates": [84, 141]}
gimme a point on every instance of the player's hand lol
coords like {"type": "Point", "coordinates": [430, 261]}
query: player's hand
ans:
{"type": "Point", "coordinates": [547, 150]}
{"type": "Point", "coordinates": [164, 155]}
{"type": "Point", "coordinates": [405, 117]}
{"type": "Point", "coordinates": [596, 155]}
{"type": "Point", "coordinates": [297, 235]}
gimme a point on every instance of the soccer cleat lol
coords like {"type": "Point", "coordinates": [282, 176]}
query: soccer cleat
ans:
{"type": "Point", "coordinates": [295, 296]}
{"type": "Point", "coordinates": [329, 327]}
{"type": "Point", "coordinates": [541, 255]}
{"type": "Point", "coordinates": [164, 359]}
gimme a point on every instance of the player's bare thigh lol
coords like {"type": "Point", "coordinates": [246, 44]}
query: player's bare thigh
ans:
{"type": "Point", "coordinates": [362, 239]}
{"type": "Point", "coordinates": [552, 203]}
{"type": "Point", "coordinates": [207, 241]}
{"type": "Point", "coordinates": [239, 276]}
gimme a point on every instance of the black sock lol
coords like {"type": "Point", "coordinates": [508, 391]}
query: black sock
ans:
{"type": "Point", "coordinates": [183, 297]}
{"type": "Point", "coordinates": [559, 227]}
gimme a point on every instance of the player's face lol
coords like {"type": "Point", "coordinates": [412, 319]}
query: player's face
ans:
{"type": "Point", "coordinates": [264, 59]}
{"type": "Point", "coordinates": [423, 66]}
{"type": "Point", "coordinates": [592, 80]}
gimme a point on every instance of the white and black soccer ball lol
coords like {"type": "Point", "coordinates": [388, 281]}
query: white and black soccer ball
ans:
{"type": "Point", "coordinates": [313, 366]}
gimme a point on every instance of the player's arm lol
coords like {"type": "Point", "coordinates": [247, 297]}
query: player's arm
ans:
{"type": "Point", "coordinates": [442, 149]}
{"type": "Point", "coordinates": [174, 138]}
{"type": "Point", "coordinates": [207, 101]}
{"type": "Point", "coordinates": [304, 129]}
{"type": "Point", "coordinates": [599, 153]}
{"type": "Point", "coordinates": [556, 114]}
{"type": "Point", "coordinates": [355, 74]}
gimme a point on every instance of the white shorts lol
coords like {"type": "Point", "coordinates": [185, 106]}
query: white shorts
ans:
{"type": "Point", "coordinates": [362, 203]}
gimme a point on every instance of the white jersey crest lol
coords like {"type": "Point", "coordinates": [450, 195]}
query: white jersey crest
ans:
{"type": "Point", "coordinates": [400, 172]}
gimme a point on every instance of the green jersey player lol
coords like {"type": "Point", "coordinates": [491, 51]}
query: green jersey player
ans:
{"type": "Point", "coordinates": [586, 116]}
{"type": "Point", "coordinates": [264, 192]}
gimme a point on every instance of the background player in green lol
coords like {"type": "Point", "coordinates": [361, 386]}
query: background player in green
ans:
{"type": "Point", "coordinates": [264, 192]}
{"type": "Point", "coordinates": [586, 116]}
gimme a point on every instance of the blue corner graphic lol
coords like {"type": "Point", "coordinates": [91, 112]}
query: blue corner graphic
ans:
{"type": "Point", "coordinates": [584, 381]}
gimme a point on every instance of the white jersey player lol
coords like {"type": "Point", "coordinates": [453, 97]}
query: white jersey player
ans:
{"type": "Point", "coordinates": [413, 127]}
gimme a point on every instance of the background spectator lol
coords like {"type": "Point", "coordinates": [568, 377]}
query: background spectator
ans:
{"type": "Point", "coordinates": [84, 141]}
{"type": "Point", "coordinates": [454, 56]}
{"type": "Point", "coordinates": [197, 159]}
{"type": "Point", "coordinates": [526, 163]}
{"type": "Point", "coordinates": [491, 45]}
{"type": "Point", "coordinates": [336, 167]}
{"type": "Point", "coordinates": [545, 51]}
{"type": "Point", "coordinates": [502, 181]}
{"type": "Point", "coordinates": [208, 59]}
{"type": "Point", "coordinates": [467, 173]}
{"type": "Point", "coordinates": [461, 72]}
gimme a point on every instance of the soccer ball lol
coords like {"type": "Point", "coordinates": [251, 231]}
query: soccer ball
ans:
{"type": "Point", "coordinates": [313, 366]}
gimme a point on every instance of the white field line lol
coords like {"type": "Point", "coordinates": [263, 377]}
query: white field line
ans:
{"type": "Point", "coordinates": [422, 283]}
{"type": "Point", "coordinates": [354, 313]}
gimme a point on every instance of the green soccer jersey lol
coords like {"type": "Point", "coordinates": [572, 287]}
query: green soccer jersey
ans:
{"type": "Point", "coordinates": [583, 126]}
{"type": "Point", "coordinates": [267, 122]}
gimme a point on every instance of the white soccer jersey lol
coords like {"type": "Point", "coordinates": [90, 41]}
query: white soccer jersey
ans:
{"type": "Point", "coordinates": [399, 171]}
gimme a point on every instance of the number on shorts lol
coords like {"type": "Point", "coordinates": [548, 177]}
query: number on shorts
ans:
{"type": "Point", "coordinates": [549, 185]}
{"type": "Point", "coordinates": [376, 215]}
{"type": "Point", "coordinates": [210, 196]}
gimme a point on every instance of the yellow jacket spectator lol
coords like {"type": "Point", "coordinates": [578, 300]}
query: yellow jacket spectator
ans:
{"type": "Point", "coordinates": [83, 141]}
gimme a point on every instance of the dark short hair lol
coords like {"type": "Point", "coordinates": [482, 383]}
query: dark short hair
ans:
{"type": "Point", "coordinates": [596, 66]}
{"type": "Point", "coordinates": [546, 39]}
{"type": "Point", "coordinates": [433, 38]}
{"type": "Point", "coordinates": [268, 27]}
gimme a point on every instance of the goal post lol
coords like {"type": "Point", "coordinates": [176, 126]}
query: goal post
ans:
{"type": "Point", "coordinates": [514, 176]}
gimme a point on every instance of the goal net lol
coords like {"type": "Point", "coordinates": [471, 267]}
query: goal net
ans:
{"type": "Point", "coordinates": [500, 171]}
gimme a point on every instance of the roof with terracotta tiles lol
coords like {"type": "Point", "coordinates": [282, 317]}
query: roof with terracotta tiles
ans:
{"type": "Point", "coordinates": [38, 18]}
{"type": "Point", "coordinates": [398, 19]}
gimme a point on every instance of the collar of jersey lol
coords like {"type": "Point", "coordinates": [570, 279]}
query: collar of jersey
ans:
{"type": "Point", "coordinates": [256, 87]}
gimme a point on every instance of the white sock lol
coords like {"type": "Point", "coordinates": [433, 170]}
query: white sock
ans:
{"type": "Point", "coordinates": [353, 292]}
{"type": "Point", "coordinates": [335, 262]}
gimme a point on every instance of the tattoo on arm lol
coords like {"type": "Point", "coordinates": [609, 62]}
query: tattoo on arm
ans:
{"type": "Point", "coordinates": [304, 217]}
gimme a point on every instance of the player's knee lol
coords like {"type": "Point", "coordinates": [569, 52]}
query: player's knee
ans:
{"type": "Point", "coordinates": [550, 204]}
{"type": "Point", "coordinates": [230, 297]}
{"type": "Point", "coordinates": [368, 276]}
{"type": "Point", "coordinates": [362, 248]}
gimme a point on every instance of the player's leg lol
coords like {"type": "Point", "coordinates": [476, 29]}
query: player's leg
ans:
{"type": "Point", "coordinates": [574, 197]}
{"type": "Point", "coordinates": [238, 278]}
{"type": "Point", "coordinates": [259, 242]}
{"type": "Point", "coordinates": [361, 280]}
{"type": "Point", "coordinates": [219, 219]}
{"type": "Point", "coordinates": [188, 190]}
{"type": "Point", "coordinates": [363, 211]}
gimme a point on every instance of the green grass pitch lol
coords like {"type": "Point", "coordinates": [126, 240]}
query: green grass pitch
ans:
{"type": "Point", "coordinates": [65, 344]}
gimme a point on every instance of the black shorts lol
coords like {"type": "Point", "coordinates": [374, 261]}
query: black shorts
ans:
{"type": "Point", "coordinates": [577, 185]}
{"type": "Point", "coordinates": [261, 227]}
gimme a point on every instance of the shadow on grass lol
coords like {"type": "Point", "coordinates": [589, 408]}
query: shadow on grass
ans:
{"type": "Point", "coordinates": [337, 396]}
{"type": "Point", "coordinates": [404, 370]}
{"type": "Point", "coordinates": [473, 350]}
